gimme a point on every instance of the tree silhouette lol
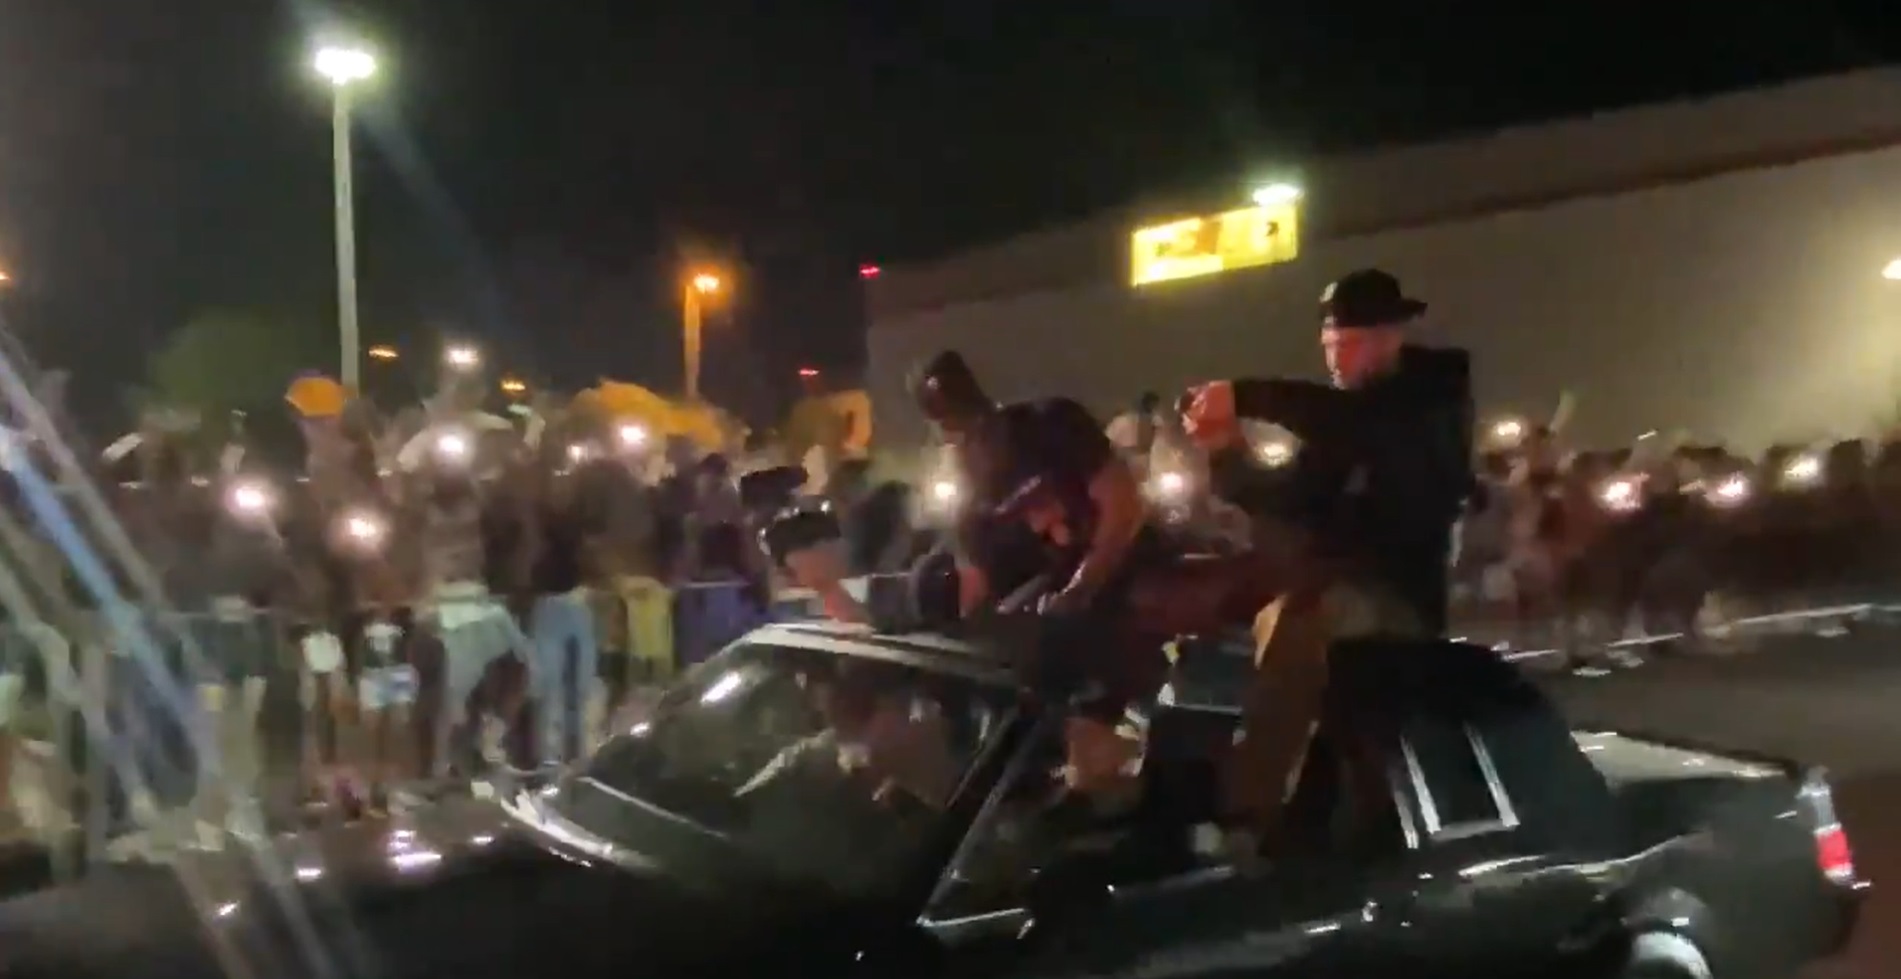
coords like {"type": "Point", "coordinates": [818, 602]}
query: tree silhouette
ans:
{"type": "Point", "coordinates": [224, 360]}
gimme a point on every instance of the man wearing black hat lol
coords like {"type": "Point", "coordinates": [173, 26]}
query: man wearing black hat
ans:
{"type": "Point", "coordinates": [1374, 491]}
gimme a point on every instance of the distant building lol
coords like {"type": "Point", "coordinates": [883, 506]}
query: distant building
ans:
{"type": "Point", "coordinates": [1715, 266]}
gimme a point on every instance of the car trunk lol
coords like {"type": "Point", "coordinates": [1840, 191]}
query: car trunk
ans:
{"type": "Point", "coordinates": [1667, 789]}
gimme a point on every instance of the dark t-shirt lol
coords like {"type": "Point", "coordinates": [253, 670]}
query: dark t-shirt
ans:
{"type": "Point", "coordinates": [673, 504]}
{"type": "Point", "coordinates": [557, 568]}
{"type": "Point", "coordinates": [1044, 456]}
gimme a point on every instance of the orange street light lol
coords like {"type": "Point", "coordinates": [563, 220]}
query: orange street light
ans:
{"type": "Point", "coordinates": [514, 385]}
{"type": "Point", "coordinates": [383, 352]}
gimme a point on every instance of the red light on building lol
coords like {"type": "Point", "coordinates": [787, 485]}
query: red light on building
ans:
{"type": "Point", "coordinates": [808, 372]}
{"type": "Point", "coordinates": [869, 271]}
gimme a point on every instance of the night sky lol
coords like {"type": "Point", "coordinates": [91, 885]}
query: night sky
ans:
{"type": "Point", "coordinates": [536, 175]}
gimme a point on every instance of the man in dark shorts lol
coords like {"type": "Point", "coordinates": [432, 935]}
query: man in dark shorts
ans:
{"type": "Point", "coordinates": [1049, 499]}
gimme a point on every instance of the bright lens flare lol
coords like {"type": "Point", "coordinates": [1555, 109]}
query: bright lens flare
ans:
{"type": "Point", "coordinates": [1803, 471]}
{"type": "Point", "coordinates": [364, 528]}
{"type": "Point", "coordinates": [633, 436]}
{"type": "Point", "coordinates": [250, 498]}
{"type": "Point", "coordinates": [1508, 430]}
{"type": "Point", "coordinates": [462, 358]}
{"type": "Point", "coordinates": [453, 446]}
{"type": "Point", "coordinates": [944, 491]}
{"type": "Point", "coordinates": [1620, 495]}
{"type": "Point", "coordinates": [1171, 483]}
{"type": "Point", "coordinates": [1731, 491]}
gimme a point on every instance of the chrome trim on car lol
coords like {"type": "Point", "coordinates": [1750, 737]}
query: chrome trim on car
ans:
{"type": "Point", "coordinates": [947, 928]}
{"type": "Point", "coordinates": [1436, 829]}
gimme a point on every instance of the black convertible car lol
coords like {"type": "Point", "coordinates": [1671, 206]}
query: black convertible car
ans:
{"type": "Point", "coordinates": [818, 801]}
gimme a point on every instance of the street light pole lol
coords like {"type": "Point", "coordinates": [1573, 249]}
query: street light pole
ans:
{"type": "Point", "coordinates": [691, 341]}
{"type": "Point", "coordinates": [344, 67]}
{"type": "Point", "coordinates": [703, 284]}
{"type": "Point", "coordinates": [346, 235]}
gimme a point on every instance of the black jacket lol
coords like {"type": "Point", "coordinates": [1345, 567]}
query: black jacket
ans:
{"type": "Point", "coordinates": [1382, 471]}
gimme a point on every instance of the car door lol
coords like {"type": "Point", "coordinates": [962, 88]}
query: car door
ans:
{"type": "Point", "coordinates": [1293, 920]}
{"type": "Point", "coordinates": [1197, 916]}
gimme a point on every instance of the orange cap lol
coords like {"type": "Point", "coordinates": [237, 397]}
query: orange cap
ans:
{"type": "Point", "coordinates": [316, 396]}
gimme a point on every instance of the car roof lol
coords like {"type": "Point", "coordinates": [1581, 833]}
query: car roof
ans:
{"type": "Point", "coordinates": [1437, 675]}
{"type": "Point", "coordinates": [976, 658]}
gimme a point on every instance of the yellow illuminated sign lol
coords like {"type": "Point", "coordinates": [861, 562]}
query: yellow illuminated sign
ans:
{"type": "Point", "coordinates": [1251, 236]}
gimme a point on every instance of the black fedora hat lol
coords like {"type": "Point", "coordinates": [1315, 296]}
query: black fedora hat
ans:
{"type": "Point", "coordinates": [1368, 298]}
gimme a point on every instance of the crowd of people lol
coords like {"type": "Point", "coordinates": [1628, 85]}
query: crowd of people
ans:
{"type": "Point", "coordinates": [431, 594]}
{"type": "Point", "coordinates": [1571, 549]}
{"type": "Point", "coordinates": [420, 595]}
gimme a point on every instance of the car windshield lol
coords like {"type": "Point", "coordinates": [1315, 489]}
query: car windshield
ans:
{"type": "Point", "coordinates": [818, 767]}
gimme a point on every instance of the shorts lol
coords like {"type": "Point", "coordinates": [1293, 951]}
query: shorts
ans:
{"type": "Point", "coordinates": [233, 648]}
{"type": "Point", "coordinates": [476, 632]}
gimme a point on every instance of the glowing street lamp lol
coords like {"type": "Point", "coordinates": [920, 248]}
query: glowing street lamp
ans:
{"type": "Point", "coordinates": [514, 385]}
{"type": "Point", "coordinates": [699, 286]}
{"type": "Point", "coordinates": [383, 352]}
{"type": "Point", "coordinates": [344, 67]}
{"type": "Point", "coordinates": [1273, 195]}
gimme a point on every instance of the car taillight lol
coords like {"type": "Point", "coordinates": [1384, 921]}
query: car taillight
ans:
{"type": "Point", "coordinates": [1834, 857]}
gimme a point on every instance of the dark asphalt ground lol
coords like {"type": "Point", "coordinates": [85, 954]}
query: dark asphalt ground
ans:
{"type": "Point", "coordinates": [1832, 702]}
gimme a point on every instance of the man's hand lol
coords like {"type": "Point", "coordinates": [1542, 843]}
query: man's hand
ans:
{"type": "Point", "coordinates": [1208, 415]}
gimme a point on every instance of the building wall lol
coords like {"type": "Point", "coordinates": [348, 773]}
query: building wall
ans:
{"type": "Point", "coordinates": [1746, 305]}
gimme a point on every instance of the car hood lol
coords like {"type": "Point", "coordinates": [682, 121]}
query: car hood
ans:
{"type": "Point", "coordinates": [471, 886]}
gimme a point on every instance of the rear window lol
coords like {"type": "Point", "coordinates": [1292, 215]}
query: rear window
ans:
{"type": "Point", "coordinates": [1456, 782]}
